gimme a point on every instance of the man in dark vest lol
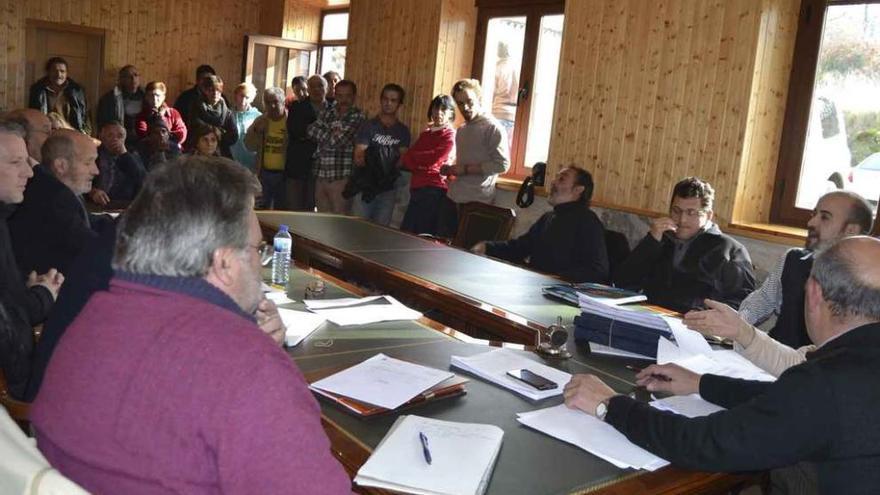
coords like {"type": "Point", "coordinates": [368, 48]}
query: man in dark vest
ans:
{"type": "Point", "coordinates": [838, 214]}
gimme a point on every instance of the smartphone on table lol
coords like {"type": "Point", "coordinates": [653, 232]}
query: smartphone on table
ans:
{"type": "Point", "coordinates": [531, 378]}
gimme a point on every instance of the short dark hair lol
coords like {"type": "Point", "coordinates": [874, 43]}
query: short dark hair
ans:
{"type": "Point", "coordinates": [583, 178]}
{"type": "Point", "coordinates": [55, 60]}
{"type": "Point", "coordinates": [17, 118]}
{"type": "Point", "coordinates": [694, 187]}
{"type": "Point", "coordinates": [329, 73]}
{"type": "Point", "coordinates": [58, 145]}
{"type": "Point", "coordinates": [205, 69]}
{"type": "Point", "coordinates": [443, 102]}
{"type": "Point", "coordinates": [350, 84]}
{"type": "Point", "coordinates": [112, 122]}
{"type": "Point", "coordinates": [211, 81]}
{"type": "Point", "coordinates": [396, 88]}
{"type": "Point", "coordinates": [298, 80]}
{"type": "Point", "coordinates": [11, 126]}
{"type": "Point", "coordinates": [201, 130]}
{"type": "Point", "coordinates": [127, 68]}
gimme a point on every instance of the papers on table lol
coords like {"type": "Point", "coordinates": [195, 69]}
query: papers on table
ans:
{"type": "Point", "coordinates": [382, 381]}
{"type": "Point", "coordinates": [462, 457]}
{"type": "Point", "coordinates": [268, 288]}
{"type": "Point", "coordinates": [591, 434]}
{"type": "Point", "coordinates": [622, 313]}
{"type": "Point", "coordinates": [494, 365]}
{"type": "Point", "coordinates": [692, 406]}
{"type": "Point", "coordinates": [611, 351]}
{"type": "Point", "coordinates": [354, 311]}
{"type": "Point", "coordinates": [299, 324]}
{"type": "Point", "coordinates": [724, 363]}
{"type": "Point", "coordinates": [279, 298]}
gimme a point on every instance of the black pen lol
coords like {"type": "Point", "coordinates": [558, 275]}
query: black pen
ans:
{"type": "Point", "coordinates": [425, 450]}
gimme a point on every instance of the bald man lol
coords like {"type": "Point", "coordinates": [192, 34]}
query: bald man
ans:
{"type": "Point", "coordinates": [37, 128]}
{"type": "Point", "coordinates": [822, 411]}
{"type": "Point", "coordinates": [52, 225]}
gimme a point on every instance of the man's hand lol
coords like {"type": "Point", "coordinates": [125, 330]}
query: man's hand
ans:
{"type": "Point", "coordinates": [51, 280]}
{"type": "Point", "coordinates": [669, 378]}
{"type": "Point", "coordinates": [99, 197]}
{"type": "Point", "coordinates": [661, 225]}
{"type": "Point", "coordinates": [446, 169]}
{"type": "Point", "coordinates": [721, 320]}
{"type": "Point", "coordinates": [585, 392]}
{"type": "Point", "coordinates": [269, 320]}
{"type": "Point", "coordinates": [479, 248]}
{"type": "Point", "coordinates": [360, 155]}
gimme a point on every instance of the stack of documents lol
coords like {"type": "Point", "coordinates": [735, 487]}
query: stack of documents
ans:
{"type": "Point", "coordinates": [692, 406]}
{"type": "Point", "coordinates": [609, 295]}
{"type": "Point", "coordinates": [591, 434]}
{"type": "Point", "coordinates": [494, 365]}
{"type": "Point", "coordinates": [381, 381]}
{"type": "Point", "coordinates": [360, 311]}
{"type": "Point", "coordinates": [299, 324]}
{"type": "Point", "coordinates": [462, 457]}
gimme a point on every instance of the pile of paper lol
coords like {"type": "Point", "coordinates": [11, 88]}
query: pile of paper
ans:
{"type": "Point", "coordinates": [382, 381]}
{"type": "Point", "coordinates": [591, 434]}
{"type": "Point", "coordinates": [692, 406]}
{"type": "Point", "coordinates": [361, 311]}
{"type": "Point", "coordinates": [493, 366]}
{"type": "Point", "coordinates": [462, 457]}
{"type": "Point", "coordinates": [299, 324]}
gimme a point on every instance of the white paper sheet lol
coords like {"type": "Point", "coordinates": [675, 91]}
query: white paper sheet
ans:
{"type": "Point", "coordinates": [382, 381]}
{"type": "Point", "coordinates": [300, 324]}
{"type": "Point", "coordinates": [279, 298]}
{"type": "Point", "coordinates": [611, 351]}
{"type": "Point", "coordinates": [361, 312]}
{"type": "Point", "coordinates": [462, 457]}
{"type": "Point", "coordinates": [724, 363]}
{"type": "Point", "coordinates": [268, 288]}
{"type": "Point", "coordinates": [689, 341]}
{"type": "Point", "coordinates": [494, 365]}
{"type": "Point", "coordinates": [692, 406]}
{"type": "Point", "coordinates": [589, 433]}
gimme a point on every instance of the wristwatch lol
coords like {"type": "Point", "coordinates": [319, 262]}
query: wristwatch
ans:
{"type": "Point", "coordinates": [602, 410]}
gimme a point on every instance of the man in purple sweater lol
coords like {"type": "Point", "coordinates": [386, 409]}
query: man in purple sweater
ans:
{"type": "Point", "coordinates": [165, 383]}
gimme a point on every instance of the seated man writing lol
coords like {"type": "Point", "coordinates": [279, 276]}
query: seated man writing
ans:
{"type": "Point", "coordinates": [837, 215]}
{"type": "Point", "coordinates": [568, 241]}
{"type": "Point", "coordinates": [820, 411]}
{"type": "Point", "coordinates": [164, 383]}
{"type": "Point", "coordinates": [685, 258]}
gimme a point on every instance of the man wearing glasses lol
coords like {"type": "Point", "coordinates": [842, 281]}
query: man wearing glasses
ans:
{"type": "Point", "coordinates": [685, 258]}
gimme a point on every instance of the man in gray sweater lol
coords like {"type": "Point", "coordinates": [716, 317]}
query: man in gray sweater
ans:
{"type": "Point", "coordinates": [481, 154]}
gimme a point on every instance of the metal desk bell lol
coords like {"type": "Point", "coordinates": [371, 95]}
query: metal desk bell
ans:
{"type": "Point", "coordinates": [551, 341]}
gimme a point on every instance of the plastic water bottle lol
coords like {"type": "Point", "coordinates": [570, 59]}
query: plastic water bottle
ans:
{"type": "Point", "coordinates": [283, 245]}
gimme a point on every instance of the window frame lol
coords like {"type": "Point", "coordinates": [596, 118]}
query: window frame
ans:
{"type": "Point", "coordinates": [802, 82]}
{"type": "Point", "coordinates": [330, 43]}
{"type": "Point", "coordinates": [532, 10]}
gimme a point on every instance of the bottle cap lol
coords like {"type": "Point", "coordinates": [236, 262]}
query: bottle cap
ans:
{"type": "Point", "coordinates": [282, 228]}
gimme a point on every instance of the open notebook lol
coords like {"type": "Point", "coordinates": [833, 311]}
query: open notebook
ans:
{"type": "Point", "coordinates": [462, 457]}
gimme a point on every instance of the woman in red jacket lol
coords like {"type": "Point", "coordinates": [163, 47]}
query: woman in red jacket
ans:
{"type": "Point", "coordinates": [433, 149]}
{"type": "Point", "coordinates": [155, 108]}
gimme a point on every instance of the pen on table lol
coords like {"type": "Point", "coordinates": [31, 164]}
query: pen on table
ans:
{"type": "Point", "coordinates": [425, 450]}
{"type": "Point", "coordinates": [653, 375]}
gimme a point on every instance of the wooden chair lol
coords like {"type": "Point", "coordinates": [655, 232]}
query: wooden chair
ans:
{"type": "Point", "coordinates": [482, 222]}
{"type": "Point", "coordinates": [19, 411]}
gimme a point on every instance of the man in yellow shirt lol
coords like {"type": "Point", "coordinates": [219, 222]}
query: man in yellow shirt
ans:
{"type": "Point", "coordinates": [268, 138]}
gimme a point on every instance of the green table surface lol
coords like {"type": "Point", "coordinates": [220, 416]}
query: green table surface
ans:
{"type": "Point", "coordinates": [529, 462]}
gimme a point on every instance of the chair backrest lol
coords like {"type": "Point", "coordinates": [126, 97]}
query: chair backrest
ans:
{"type": "Point", "coordinates": [618, 249]}
{"type": "Point", "coordinates": [482, 222]}
{"type": "Point", "coordinates": [19, 411]}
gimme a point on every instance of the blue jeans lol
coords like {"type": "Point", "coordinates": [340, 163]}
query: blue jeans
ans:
{"type": "Point", "coordinates": [274, 190]}
{"type": "Point", "coordinates": [379, 210]}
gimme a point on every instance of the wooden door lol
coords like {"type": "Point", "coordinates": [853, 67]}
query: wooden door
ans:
{"type": "Point", "coordinates": [271, 61]}
{"type": "Point", "coordinates": [82, 47]}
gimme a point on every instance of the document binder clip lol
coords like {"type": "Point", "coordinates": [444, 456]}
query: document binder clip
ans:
{"type": "Point", "coordinates": [551, 341]}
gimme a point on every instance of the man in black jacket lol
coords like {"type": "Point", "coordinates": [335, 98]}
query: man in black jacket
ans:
{"type": "Point", "coordinates": [822, 411]}
{"type": "Point", "coordinates": [301, 149]}
{"type": "Point", "coordinates": [52, 225]}
{"type": "Point", "coordinates": [685, 258]}
{"type": "Point", "coordinates": [189, 97]}
{"type": "Point", "coordinates": [23, 302]}
{"type": "Point", "coordinates": [568, 241]}
{"type": "Point", "coordinates": [123, 103]}
{"type": "Point", "coordinates": [58, 93]}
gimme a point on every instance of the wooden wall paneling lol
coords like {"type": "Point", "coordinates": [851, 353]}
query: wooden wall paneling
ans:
{"type": "Point", "coordinates": [302, 21]}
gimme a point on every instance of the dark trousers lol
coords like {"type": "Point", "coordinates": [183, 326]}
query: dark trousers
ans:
{"type": "Point", "coordinates": [423, 211]}
{"type": "Point", "coordinates": [274, 190]}
{"type": "Point", "coordinates": [301, 194]}
{"type": "Point", "coordinates": [447, 219]}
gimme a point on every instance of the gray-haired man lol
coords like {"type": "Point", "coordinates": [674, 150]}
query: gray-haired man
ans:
{"type": "Point", "coordinates": [195, 397]}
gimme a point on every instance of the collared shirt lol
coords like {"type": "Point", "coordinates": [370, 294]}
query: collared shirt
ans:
{"type": "Point", "coordinates": [335, 137]}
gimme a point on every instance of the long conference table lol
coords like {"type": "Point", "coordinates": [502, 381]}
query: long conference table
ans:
{"type": "Point", "coordinates": [529, 462]}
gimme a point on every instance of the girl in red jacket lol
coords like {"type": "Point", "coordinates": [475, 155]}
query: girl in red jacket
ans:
{"type": "Point", "coordinates": [433, 149]}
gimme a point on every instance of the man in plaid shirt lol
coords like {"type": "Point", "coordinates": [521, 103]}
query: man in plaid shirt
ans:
{"type": "Point", "coordinates": [334, 131]}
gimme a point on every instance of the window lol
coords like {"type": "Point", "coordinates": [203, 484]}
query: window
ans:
{"type": "Point", "coordinates": [517, 61]}
{"type": "Point", "coordinates": [831, 135]}
{"type": "Point", "coordinates": [273, 61]}
{"type": "Point", "coordinates": [334, 36]}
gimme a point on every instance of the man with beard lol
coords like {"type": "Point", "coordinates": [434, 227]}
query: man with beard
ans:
{"type": "Point", "coordinates": [568, 241]}
{"type": "Point", "coordinates": [837, 215]}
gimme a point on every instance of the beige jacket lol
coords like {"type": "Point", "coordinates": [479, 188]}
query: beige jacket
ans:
{"type": "Point", "coordinates": [771, 355]}
{"type": "Point", "coordinates": [256, 138]}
